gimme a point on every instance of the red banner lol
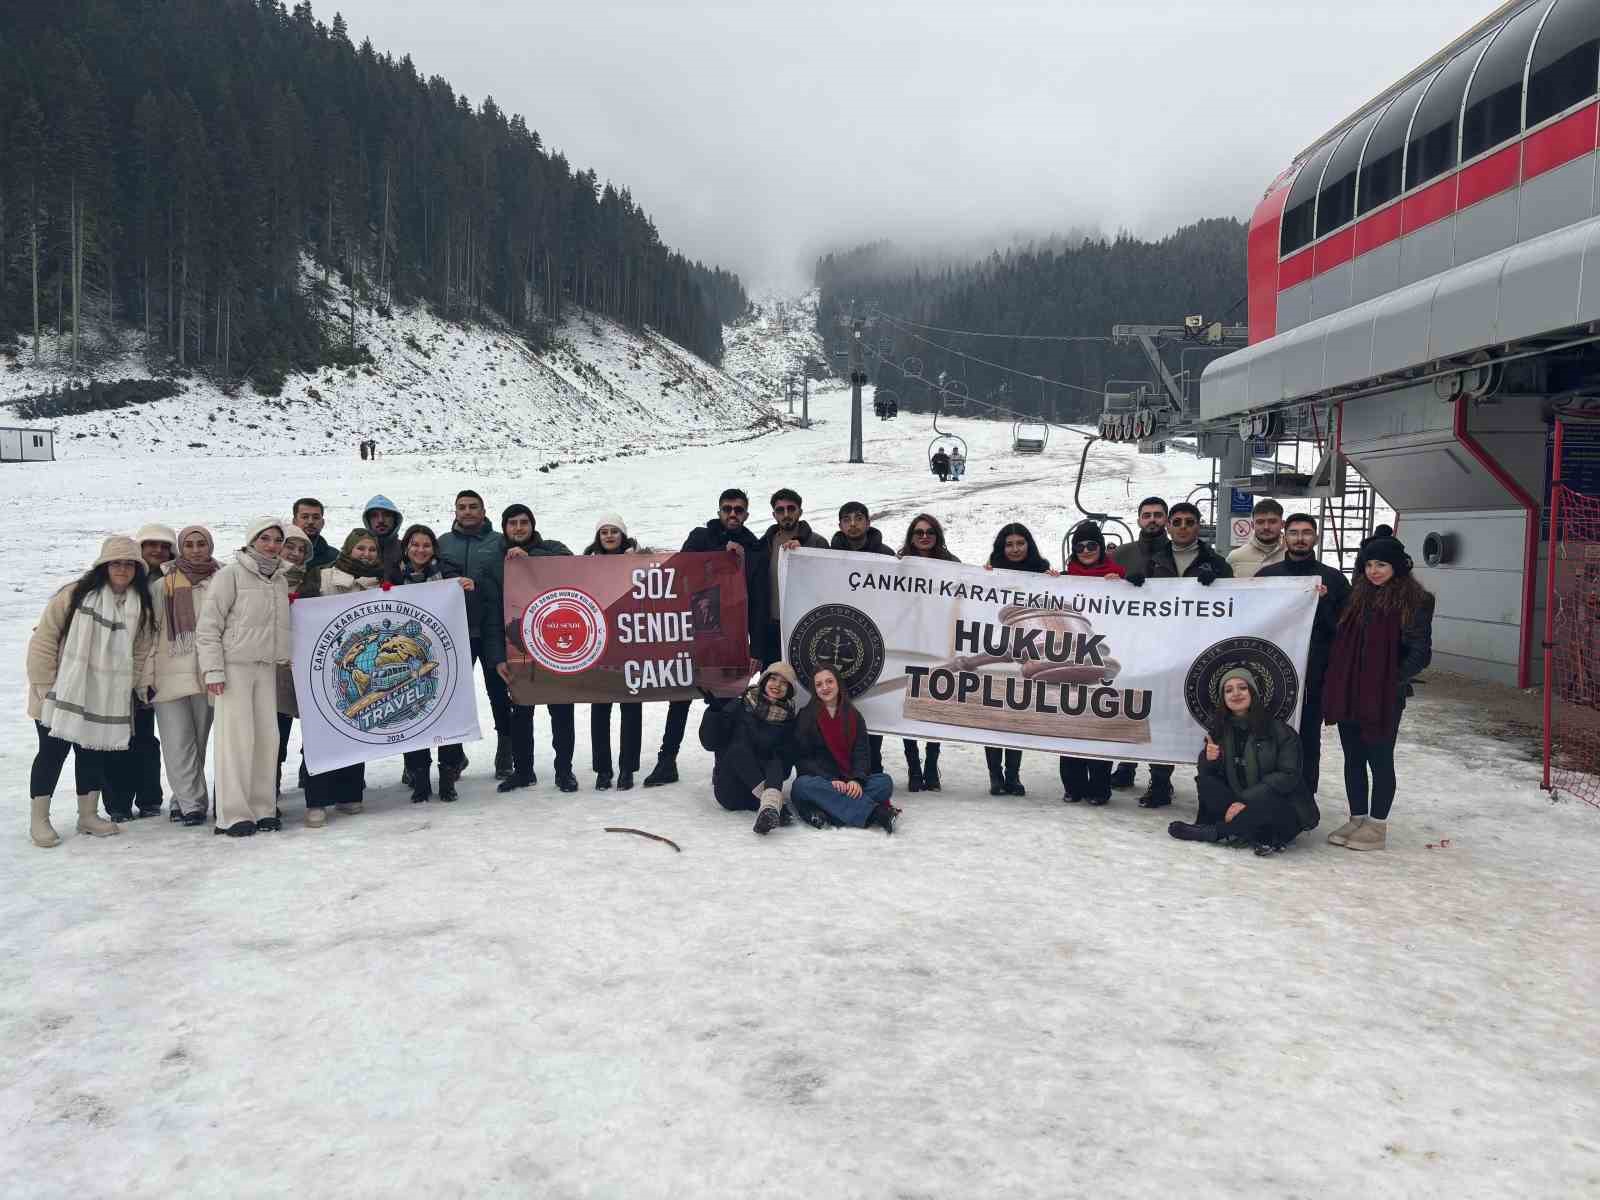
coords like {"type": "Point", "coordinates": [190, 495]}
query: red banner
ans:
{"type": "Point", "coordinates": [616, 627]}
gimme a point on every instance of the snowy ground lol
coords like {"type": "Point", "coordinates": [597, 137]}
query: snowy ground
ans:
{"type": "Point", "coordinates": [1008, 998]}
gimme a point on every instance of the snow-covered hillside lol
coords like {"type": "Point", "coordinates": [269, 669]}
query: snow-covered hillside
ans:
{"type": "Point", "coordinates": [776, 341]}
{"type": "Point", "coordinates": [601, 390]}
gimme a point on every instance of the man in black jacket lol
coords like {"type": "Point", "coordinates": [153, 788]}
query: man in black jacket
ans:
{"type": "Point", "coordinates": [1192, 557]}
{"type": "Point", "coordinates": [788, 532]}
{"type": "Point", "coordinates": [725, 531]}
{"type": "Point", "coordinates": [1148, 556]}
{"type": "Point", "coordinates": [1300, 558]}
{"type": "Point", "coordinates": [857, 536]}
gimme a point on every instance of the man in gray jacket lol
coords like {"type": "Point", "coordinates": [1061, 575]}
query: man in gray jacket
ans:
{"type": "Point", "coordinates": [472, 549]}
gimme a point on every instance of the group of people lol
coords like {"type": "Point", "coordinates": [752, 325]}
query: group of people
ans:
{"type": "Point", "coordinates": [948, 464]}
{"type": "Point", "coordinates": [159, 635]}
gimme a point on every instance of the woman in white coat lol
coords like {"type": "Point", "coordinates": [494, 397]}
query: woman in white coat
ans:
{"type": "Point", "coordinates": [183, 710]}
{"type": "Point", "coordinates": [243, 635]}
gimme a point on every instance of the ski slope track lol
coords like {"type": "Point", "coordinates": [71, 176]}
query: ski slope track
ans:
{"type": "Point", "coordinates": [1010, 997]}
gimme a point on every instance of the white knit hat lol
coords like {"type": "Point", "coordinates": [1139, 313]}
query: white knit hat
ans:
{"type": "Point", "coordinates": [613, 519]}
{"type": "Point", "coordinates": [260, 525]}
{"type": "Point", "coordinates": [293, 533]}
{"type": "Point", "coordinates": [157, 533]}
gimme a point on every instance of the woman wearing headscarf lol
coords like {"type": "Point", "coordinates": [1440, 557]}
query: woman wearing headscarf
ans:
{"type": "Point", "coordinates": [183, 709]}
{"type": "Point", "coordinates": [523, 539]}
{"type": "Point", "coordinates": [924, 539]}
{"type": "Point", "coordinates": [1014, 550]}
{"type": "Point", "coordinates": [241, 638]}
{"type": "Point", "coordinates": [1249, 778]}
{"type": "Point", "coordinates": [358, 568]}
{"type": "Point", "coordinates": [87, 659]}
{"type": "Point", "coordinates": [420, 563]}
{"type": "Point", "coordinates": [1384, 641]}
{"type": "Point", "coordinates": [611, 537]}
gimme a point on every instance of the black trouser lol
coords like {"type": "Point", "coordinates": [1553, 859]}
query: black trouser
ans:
{"type": "Point", "coordinates": [1160, 776]}
{"type": "Point", "coordinates": [677, 722]}
{"type": "Point", "coordinates": [88, 766]}
{"type": "Point", "coordinates": [133, 776]}
{"type": "Point", "coordinates": [1012, 759]}
{"type": "Point", "coordinates": [770, 644]}
{"type": "Point", "coordinates": [495, 688]}
{"type": "Point", "coordinates": [1360, 756]}
{"type": "Point", "coordinates": [341, 786]}
{"type": "Point", "coordinates": [1086, 778]}
{"type": "Point", "coordinates": [600, 737]}
{"type": "Point", "coordinates": [875, 754]}
{"type": "Point", "coordinates": [1311, 734]}
{"type": "Point", "coordinates": [738, 773]}
{"type": "Point", "coordinates": [911, 750]}
{"type": "Point", "coordinates": [563, 736]}
{"type": "Point", "coordinates": [285, 724]}
{"type": "Point", "coordinates": [450, 757]}
{"type": "Point", "coordinates": [1271, 820]}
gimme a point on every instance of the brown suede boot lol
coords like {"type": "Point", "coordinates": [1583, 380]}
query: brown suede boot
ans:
{"type": "Point", "coordinates": [89, 817]}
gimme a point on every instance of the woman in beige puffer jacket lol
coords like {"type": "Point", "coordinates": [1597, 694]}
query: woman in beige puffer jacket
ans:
{"type": "Point", "coordinates": [242, 637]}
{"type": "Point", "coordinates": [183, 709]}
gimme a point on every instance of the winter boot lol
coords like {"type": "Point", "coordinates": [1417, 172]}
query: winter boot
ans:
{"type": "Point", "coordinates": [1185, 831]}
{"type": "Point", "coordinates": [1013, 782]}
{"type": "Point", "coordinates": [997, 783]}
{"type": "Point", "coordinates": [39, 827]}
{"type": "Point", "coordinates": [566, 780]}
{"type": "Point", "coordinates": [625, 781]}
{"type": "Point", "coordinates": [602, 781]}
{"type": "Point", "coordinates": [408, 778]}
{"type": "Point", "coordinates": [930, 769]}
{"type": "Point", "coordinates": [89, 817]}
{"type": "Point", "coordinates": [666, 771]}
{"type": "Point", "coordinates": [348, 807]}
{"type": "Point", "coordinates": [316, 818]}
{"type": "Point", "coordinates": [422, 785]}
{"type": "Point", "coordinates": [883, 817]}
{"type": "Point", "coordinates": [915, 781]}
{"type": "Point", "coordinates": [503, 766]}
{"type": "Point", "coordinates": [1157, 795]}
{"type": "Point", "coordinates": [516, 781]}
{"type": "Point", "coordinates": [447, 784]}
{"type": "Point", "coordinates": [1341, 835]}
{"type": "Point", "coordinates": [269, 825]}
{"type": "Point", "coordinates": [1372, 835]}
{"type": "Point", "coordinates": [238, 829]}
{"type": "Point", "coordinates": [193, 819]}
{"type": "Point", "coordinates": [771, 809]}
{"type": "Point", "coordinates": [1123, 774]}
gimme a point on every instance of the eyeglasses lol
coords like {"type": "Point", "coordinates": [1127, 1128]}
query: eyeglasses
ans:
{"type": "Point", "coordinates": [1181, 522]}
{"type": "Point", "coordinates": [923, 533]}
{"type": "Point", "coordinates": [734, 510]}
{"type": "Point", "coordinates": [781, 509]}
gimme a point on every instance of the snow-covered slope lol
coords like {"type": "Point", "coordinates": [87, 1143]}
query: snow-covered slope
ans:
{"type": "Point", "coordinates": [777, 340]}
{"type": "Point", "coordinates": [602, 389]}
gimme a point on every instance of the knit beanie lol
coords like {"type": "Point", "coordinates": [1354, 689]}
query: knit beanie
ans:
{"type": "Point", "coordinates": [785, 672]}
{"type": "Point", "coordinates": [122, 549]}
{"type": "Point", "coordinates": [1243, 673]}
{"type": "Point", "coordinates": [516, 510]}
{"type": "Point", "coordinates": [1088, 531]}
{"type": "Point", "coordinates": [1390, 550]}
{"type": "Point", "coordinates": [157, 533]}
{"type": "Point", "coordinates": [260, 525]}
{"type": "Point", "coordinates": [612, 519]}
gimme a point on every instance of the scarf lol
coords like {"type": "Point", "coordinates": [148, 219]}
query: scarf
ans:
{"type": "Point", "coordinates": [354, 569]}
{"type": "Point", "coordinates": [838, 731]}
{"type": "Point", "coordinates": [179, 585]}
{"type": "Point", "coordinates": [1363, 681]}
{"type": "Point", "coordinates": [265, 565]}
{"type": "Point", "coordinates": [409, 572]}
{"type": "Point", "coordinates": [295, 574]}
{"type": "Point", "coordinates": [1244, 769]}
{"type": "Point", "coordinates": [765, 710]}
{"type": "Point", "coordinates": [90, 704]}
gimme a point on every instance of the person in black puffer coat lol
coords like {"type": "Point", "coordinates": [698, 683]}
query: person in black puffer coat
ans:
{"type": "Point", "coordinates": [924, 539]}
{"type": "Point", "coordinates": [751, 738]}
{"type": "Point", "coordinates": [1014, 550]}
{"type": "Point", "coordinates": [611, 537]}
{"type": "Point", "coordinates": [1248, 776]}
{"type": "Point", "coordinates": [726, 531]}
{"type": "Point", "coordinates": [523, 540]}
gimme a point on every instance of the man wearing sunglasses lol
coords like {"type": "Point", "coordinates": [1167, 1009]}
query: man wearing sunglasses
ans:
{"type": "Point", "coordinates": [1192, 557]}
{"type": "Point", "coordinates": [725, 531]}
{"type": "Point", "coordinates": [788, 532]}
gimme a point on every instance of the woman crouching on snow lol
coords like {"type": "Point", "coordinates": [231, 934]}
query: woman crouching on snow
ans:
{"type": "Point", "coordinates": [1249, 777]}
{"type": "Point", "coordinates": [611, 537]}
{"type": "Point", "coordinates": [832, 781]}
{"type": "Point", "coordinates": [750, 738]}
{"type": "Point", "coordinates": [358, 568]}
{"type": "Point", "coordinates": [241, 639]}
{"type": "Point", "coordinates": [88, 656]}
{"type": "Point", "coordinates": [420, 563]}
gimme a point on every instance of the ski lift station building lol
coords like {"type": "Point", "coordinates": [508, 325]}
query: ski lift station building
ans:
{"type": "Point", "coordinates": [1425, 279]}
{"type": "Point", "coordinates": [21, 444]}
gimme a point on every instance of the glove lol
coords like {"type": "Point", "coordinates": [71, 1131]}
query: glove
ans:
{"type": "Point", "coordinates": [1136, 578]}
{"type": "Point", "coordinates": [1206, 574]}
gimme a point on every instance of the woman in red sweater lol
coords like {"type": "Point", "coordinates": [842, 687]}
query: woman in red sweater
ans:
{"type": "Point", "coordinates": [834, 782]}
{"type": "Point", "coordinates": [1088, 779]}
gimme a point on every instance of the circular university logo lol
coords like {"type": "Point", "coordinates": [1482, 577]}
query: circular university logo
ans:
{"type": "Point", "coordinates": [565, 630]}
{"type": "Point", "coordinates": [383, 677]}
{"type": "Point", "coordinates": [841, 637]}
{"type": "Point", "coordinates": [1280, 684]}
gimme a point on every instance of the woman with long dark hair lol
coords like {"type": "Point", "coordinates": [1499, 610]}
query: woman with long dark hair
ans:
{"type": "Point", "coordinates": [611, 537]}
{"type": "Point", "coordinates": [88, 658]}
{"type": "Point", "coordinates": [1249, 778]}
{"type": "Point", "coordinates": [1384, 641]}
{"type": "Point", "coordinates": [833, 781]}
{"type": "Point", "coordinates": [420, 563]}
{"type": "Point", "coordinates": [1014, 550]}
{"type": "Point", "coordinates": [924, 539]}
{"type": "Point", "coordinates": [1089, 779]}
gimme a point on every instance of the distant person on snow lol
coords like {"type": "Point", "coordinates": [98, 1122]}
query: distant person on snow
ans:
{"type": "Point", "coordinates": [382, 519]}
{"type": "Point", "coordinates": [924, 539]}
{"type": "Point", "coordinates": [834, 782]}
{"type": "Point", "coordinates": [1265, 546]}
{"type": "Point", "coordinates": [523, 540]}
{"type": "Point", "coordinates": [857, 535]}
{"type": "Point", "coordinates": [611, 537]}
{"type": "Point", "coordinates": [750, 738]}
{"type": "Point", "coordinates": [1088, 779]}
{"type": "Point", "coordinates": [242, 637]}
{"type": "Point", "coordinates": [725, 531]}
{"type": "Point", "coordinates": [940, 462]}
{"type": "Point", "coordinates": [788, 532]}
{"type": "Point", "coordinates": [89, 654]}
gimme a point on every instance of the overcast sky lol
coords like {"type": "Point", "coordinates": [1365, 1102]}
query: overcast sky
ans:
{"type": "Point", "coordinates": [757, 133]}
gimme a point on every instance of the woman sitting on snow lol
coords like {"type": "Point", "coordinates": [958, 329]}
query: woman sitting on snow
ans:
{"type": "Point", "coordinates": [1249, 780]}
{"type": "Point", "coordinates": [750, 738]}
{"type": "Point", "coordinates": [833, 783]}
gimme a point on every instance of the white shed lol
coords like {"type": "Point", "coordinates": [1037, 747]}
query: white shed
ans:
{"type": "Point", "coordinates": [21, 444]}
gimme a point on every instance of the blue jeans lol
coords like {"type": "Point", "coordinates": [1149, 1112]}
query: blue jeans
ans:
{"type": "Point", "coordinates": [819, 792]}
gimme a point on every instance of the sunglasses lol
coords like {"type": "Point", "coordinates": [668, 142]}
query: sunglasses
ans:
{"type": "Point", "coordinates": [1080, 547]}
{"type": "Point", "coordinates": [735, 510]}
{"type": "Point", "coordinates": [1182, 522]}
{"type": "Point", "coordinates": [923, 533]}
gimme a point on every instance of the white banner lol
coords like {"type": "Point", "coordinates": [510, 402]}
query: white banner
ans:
{"type": "Point", "coordinates": [379, 673]}
{"type": "Point", "coordinates": [1091, 667]}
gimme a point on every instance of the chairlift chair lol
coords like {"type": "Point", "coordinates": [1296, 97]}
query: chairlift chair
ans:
{"type": "Point", "coordinates": [1029, 437]}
